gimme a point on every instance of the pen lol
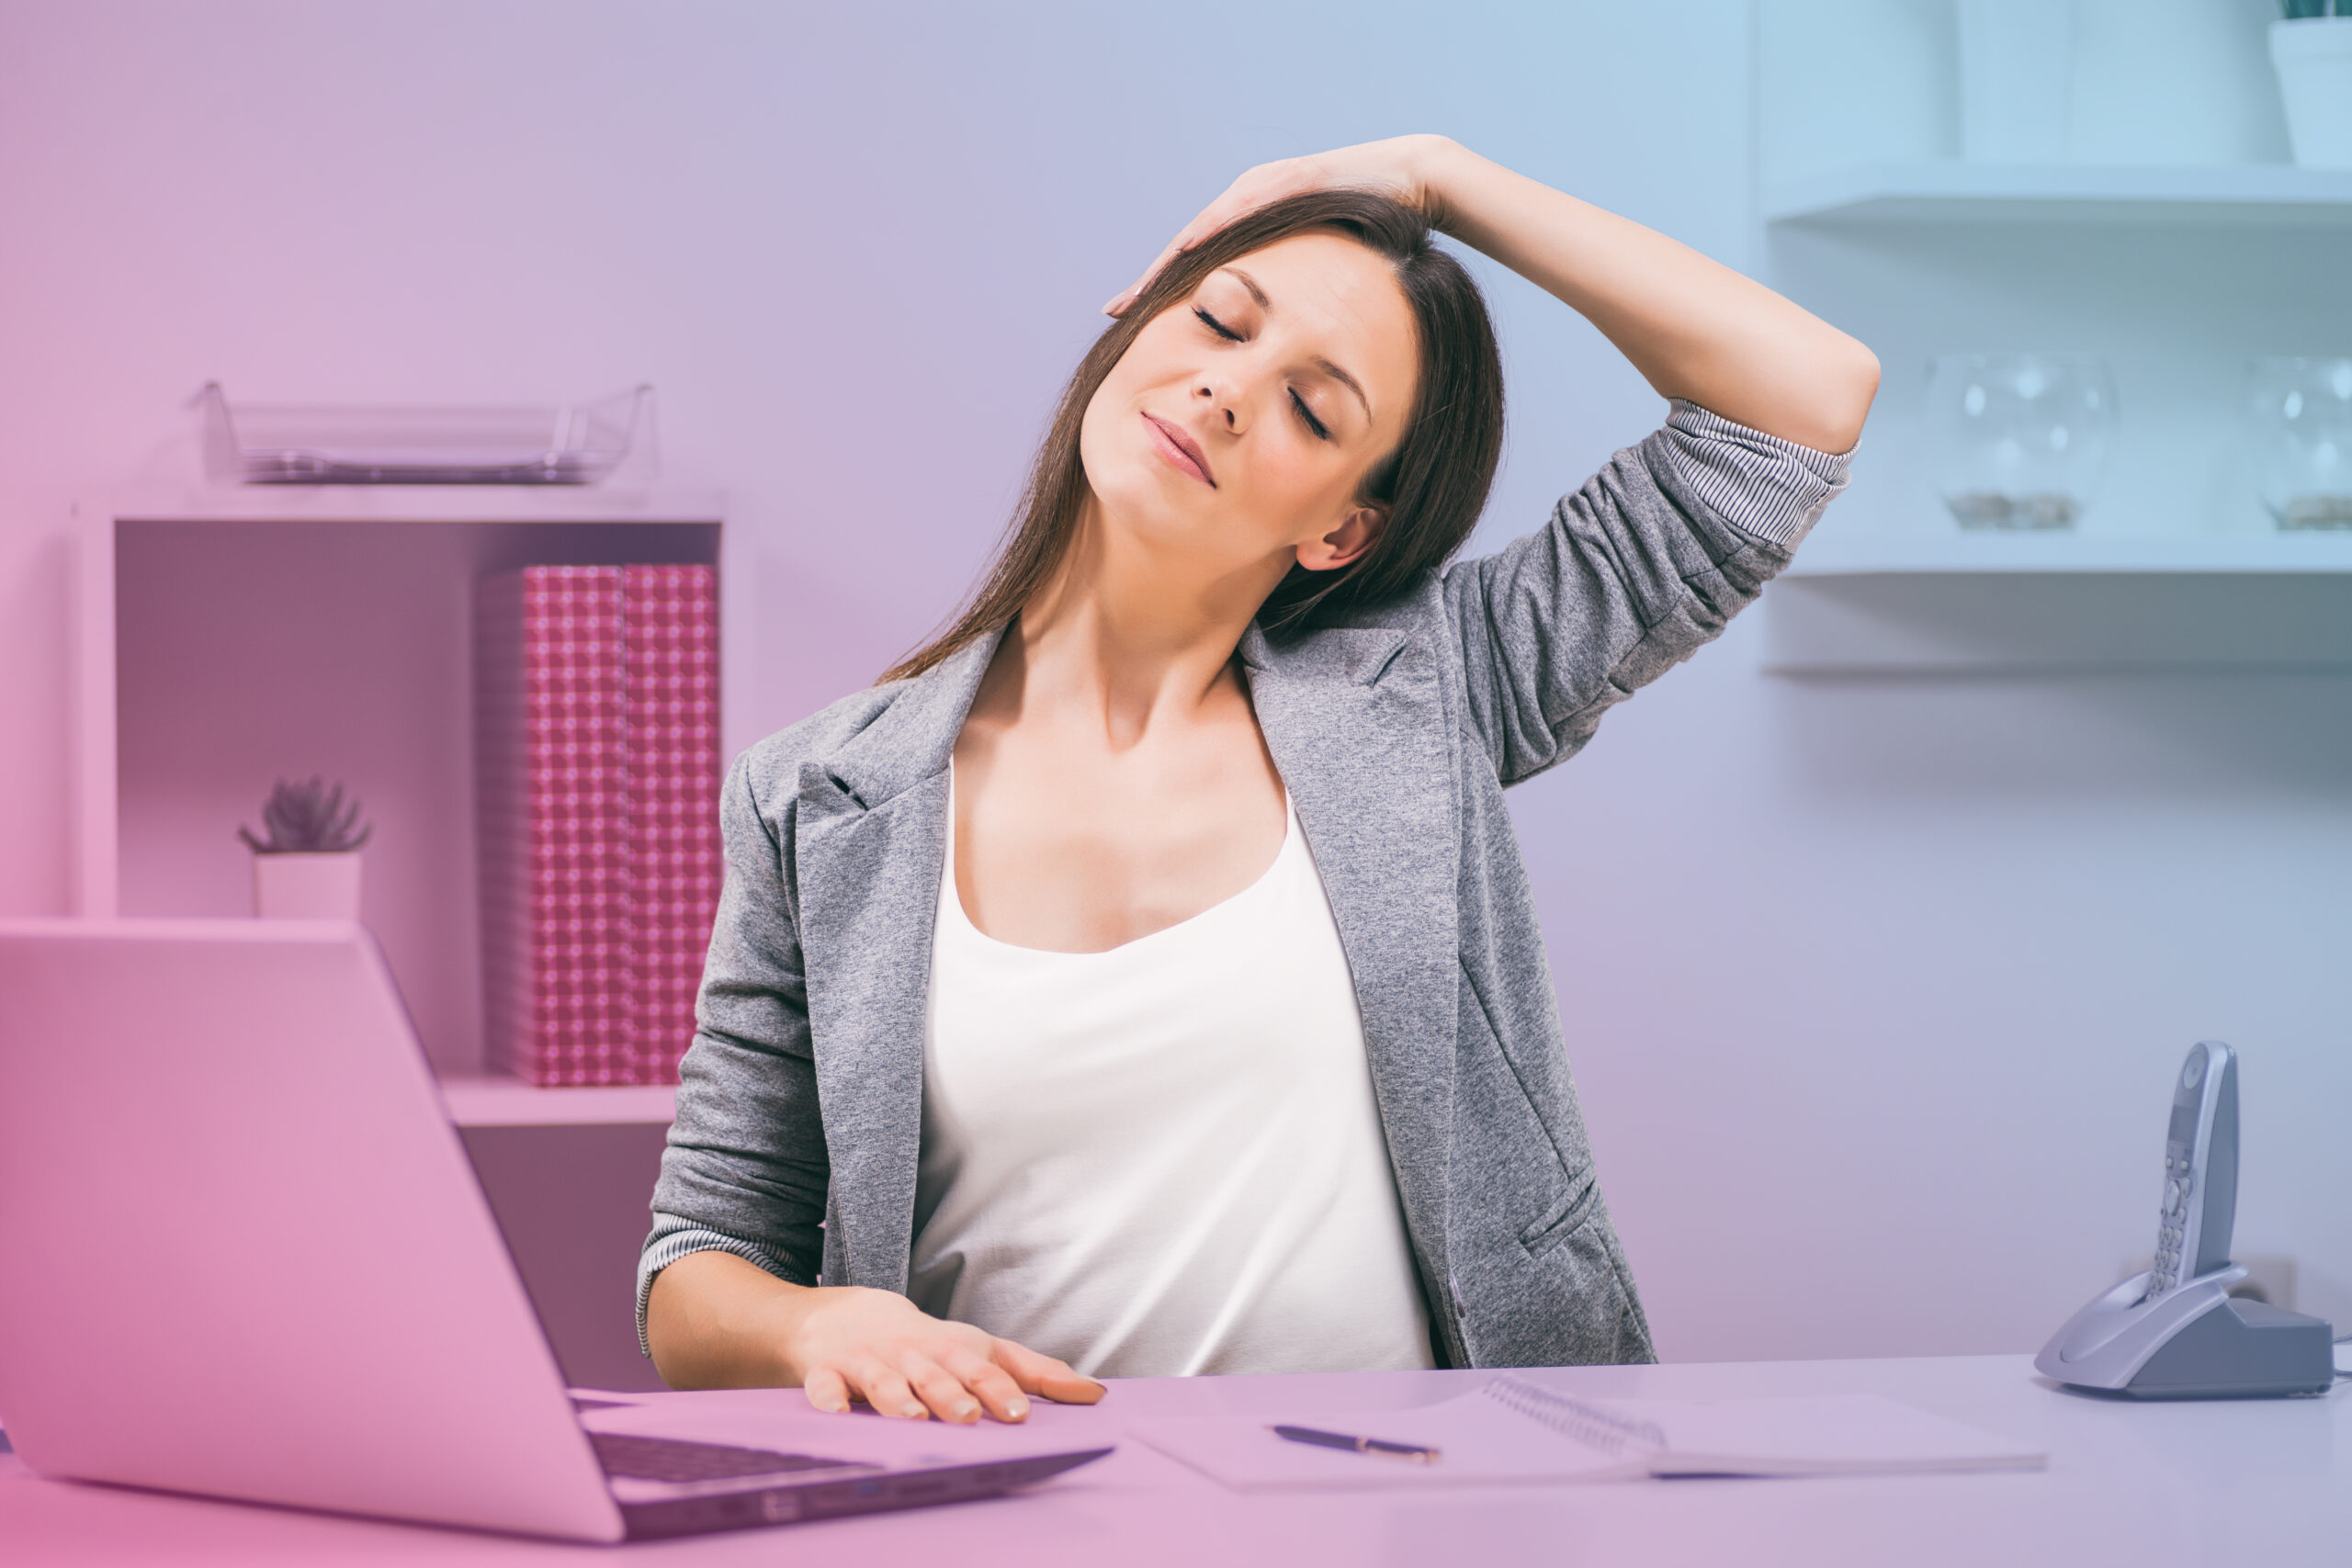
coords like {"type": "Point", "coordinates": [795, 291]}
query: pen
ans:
{"type": "Point", "coordinates": [1358, 1444]}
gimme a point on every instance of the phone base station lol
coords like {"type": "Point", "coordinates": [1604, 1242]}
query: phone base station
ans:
{"type": "Point", "coordinates": [2194, 1341]}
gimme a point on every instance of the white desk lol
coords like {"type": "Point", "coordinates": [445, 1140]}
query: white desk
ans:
{"type": "Point", "coordinates": [2263, 1481]}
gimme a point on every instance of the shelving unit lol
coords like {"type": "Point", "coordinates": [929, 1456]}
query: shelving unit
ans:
{"type": "Point", "coordinates": [508, 1102]}
{"type": "Point", "coordinates": [2122, 618]}
{"type": "Point", "coordinates": [230, 636]}
{"type": "Point", "coordinates": [1951, 191]}
{"type": "Point", "coordinates": [2177, 275]}
{"type": "Point", "coordinates": [1834, 554]}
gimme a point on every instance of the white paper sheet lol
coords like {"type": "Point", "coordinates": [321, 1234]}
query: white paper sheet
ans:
{"type": "Point", "coordinates": [1482, 1440]}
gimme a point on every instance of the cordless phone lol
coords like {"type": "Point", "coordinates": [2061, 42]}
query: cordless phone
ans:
{"type": "Point", "coordinates": [2200, 1169]}
{"type": "Point", "coordinates": [2175, 1332]}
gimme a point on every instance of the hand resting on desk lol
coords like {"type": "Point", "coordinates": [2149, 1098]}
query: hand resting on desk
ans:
{"type": "Point", "coordinates": [716, 1321]}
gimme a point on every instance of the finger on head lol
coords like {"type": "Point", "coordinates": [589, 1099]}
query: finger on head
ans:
{"type": "Point", "coordinates": [1128, 296]}
{"type": "Point", "coordinates": [1159, 264]}
{"type": "Point", "coordinates": [940, 1389]}
{"type": "Point", "coordinates": [827, 1390]}
{"type": "Point", "coordinates": [887, 1392]}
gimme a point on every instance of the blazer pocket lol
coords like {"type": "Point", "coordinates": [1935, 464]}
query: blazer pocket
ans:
{"type": "Point", "coordinates": [1560, 1220]}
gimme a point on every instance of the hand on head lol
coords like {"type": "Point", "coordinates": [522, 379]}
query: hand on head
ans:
{"type": "Point", "coordinates": [1392, 167]}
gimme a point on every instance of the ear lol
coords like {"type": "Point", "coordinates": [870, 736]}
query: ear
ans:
{"type": "Point", "coordinates": [1343, 546]}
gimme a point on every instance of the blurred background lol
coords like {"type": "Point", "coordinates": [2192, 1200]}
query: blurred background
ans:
{"type": "Point", "coordinates": [1998, 820]}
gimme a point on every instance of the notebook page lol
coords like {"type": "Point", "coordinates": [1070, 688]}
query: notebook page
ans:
{"type": "Point", "coordinates": [1495, 1435]}
{"type": "Point", "coordinates": [1836, 1435]}
{"type": "Point", "coordinates": [1513, 1430]}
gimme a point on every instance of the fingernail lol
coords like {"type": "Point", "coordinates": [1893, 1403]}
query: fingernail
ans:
{"type": "Point", "coordinates": [967, 1412]}
{"type": "Point", "coordinates": [1018, 1409]}
{"type": "Point", "coordinates": [913, 1407]}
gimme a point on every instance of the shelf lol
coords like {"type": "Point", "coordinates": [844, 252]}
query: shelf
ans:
{"type": "Point", "coordinates": [1830, 555]}
{"type": "Point", "coordinates": [1961, 621]}
{"type": "Point", "coordinates": [509, 1102]}
{"type": "Point", "coordinates": [416, 503]}
{"type": "Point", "coordinates": [1951, 191]}
{"type": "Point", "coordinates": [227, 635]}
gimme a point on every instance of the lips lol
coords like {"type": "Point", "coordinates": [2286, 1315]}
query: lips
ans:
{"type": "Point", "coordinates": [1181, 449]}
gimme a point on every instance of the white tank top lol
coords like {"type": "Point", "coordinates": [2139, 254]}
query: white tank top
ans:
{"type": "Point", "coordinates": [1164, 1159]}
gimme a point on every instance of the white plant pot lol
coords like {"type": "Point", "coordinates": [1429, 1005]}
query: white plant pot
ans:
{"type": "Point", "coordinates": [306, 888]}
{"type": "Point", "coordinates": [2313, 59]}
{"type": "Point", "coordinates": [2017, 80]}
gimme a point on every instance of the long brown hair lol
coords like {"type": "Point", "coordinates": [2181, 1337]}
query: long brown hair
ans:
{"type": "Point", "coordinates": [1431, 487]}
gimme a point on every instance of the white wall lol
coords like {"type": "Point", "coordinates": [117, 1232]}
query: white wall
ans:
{"type": "Point", "coordinates": [1872, 988]}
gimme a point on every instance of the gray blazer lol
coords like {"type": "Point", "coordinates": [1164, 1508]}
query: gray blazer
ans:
{"type": "Point", "coordinates": [799, 1111]}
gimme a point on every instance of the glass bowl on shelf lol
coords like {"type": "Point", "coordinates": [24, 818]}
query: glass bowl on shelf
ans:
{"type": "Point", "coordinates": [2300, 439]}
{"type": "Point", "coordinates": [2021, 441]}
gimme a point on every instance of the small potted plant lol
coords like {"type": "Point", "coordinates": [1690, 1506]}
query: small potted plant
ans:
{"type": "Point", "coordinates": [307, 868]}
{"type": "Point", "coordinates": [2311, 47]}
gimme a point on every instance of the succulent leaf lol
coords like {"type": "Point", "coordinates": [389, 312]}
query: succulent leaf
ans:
{"type": "Point", "coordinates": [309, 817]}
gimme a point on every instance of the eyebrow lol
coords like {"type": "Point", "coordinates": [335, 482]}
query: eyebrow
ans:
{"type": "Point", "coordinates": [1326, 367]}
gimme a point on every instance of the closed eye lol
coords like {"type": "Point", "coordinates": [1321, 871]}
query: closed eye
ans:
{"type": "Point", "coordinates": [1322, 431]}
{"type": "Point", "coordinates": [1216, 326]}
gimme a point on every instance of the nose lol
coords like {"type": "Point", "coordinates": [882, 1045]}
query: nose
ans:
{"type": "Point", "coordinates": [1225, 403]}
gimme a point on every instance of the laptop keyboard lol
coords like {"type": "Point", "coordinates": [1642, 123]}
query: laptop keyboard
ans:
{"type": "Point", "coordinates": [667, 1458]}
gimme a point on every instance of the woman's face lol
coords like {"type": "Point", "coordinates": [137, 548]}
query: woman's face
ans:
{"type": "Point", "coordinates": [1240, 424]}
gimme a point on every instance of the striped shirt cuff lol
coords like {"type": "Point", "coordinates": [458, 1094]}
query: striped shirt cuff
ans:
{"type": "Point", "coordinates": [1767, 488]}
{"type": "Point", "coordinates": [673, 1239]}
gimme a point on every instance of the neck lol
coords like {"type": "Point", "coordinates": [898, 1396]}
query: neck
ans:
{"type": "Point", "coordinates": [1130, 632]}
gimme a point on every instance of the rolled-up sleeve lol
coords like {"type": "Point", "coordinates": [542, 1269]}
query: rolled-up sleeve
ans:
{"type": "Point", "coordinates": [1635, 570]}
{"type": "Point", "coordinates": [745, 1169]}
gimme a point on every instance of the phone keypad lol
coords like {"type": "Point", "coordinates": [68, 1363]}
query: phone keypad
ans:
{"type": "Point", "coordinates": [2171, 1222]}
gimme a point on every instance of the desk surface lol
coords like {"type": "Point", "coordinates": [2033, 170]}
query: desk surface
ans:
{"type": "Point", "coordinates": [2263, 1481]}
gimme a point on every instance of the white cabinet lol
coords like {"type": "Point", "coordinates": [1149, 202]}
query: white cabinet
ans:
{"type": "Point", "coordinates": [230, 636]}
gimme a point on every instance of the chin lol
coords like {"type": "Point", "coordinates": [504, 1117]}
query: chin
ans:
{"type": "Point", "coordinates": [1132, 482]}
{"type": "Point", "coordinates": [1143, 510]}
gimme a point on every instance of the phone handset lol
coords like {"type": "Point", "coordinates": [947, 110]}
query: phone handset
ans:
{"type": "Point", "coordinates": [2175, 1332]}
{"type": "Point", "coordinates": [2200, 1192]}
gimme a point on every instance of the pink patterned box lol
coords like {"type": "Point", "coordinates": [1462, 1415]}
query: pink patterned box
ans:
{"type": "Point", "coordinates": [672, 617]}
{"type": "Point", "coordinates": [551, 754]}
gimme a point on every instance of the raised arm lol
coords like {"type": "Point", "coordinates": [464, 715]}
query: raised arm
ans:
{"type": "Point", "coordinates": [1656, 553]}
{"type": "Point", "coordinates": [1696, 329]}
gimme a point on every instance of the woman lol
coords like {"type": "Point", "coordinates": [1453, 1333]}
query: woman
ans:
{"type": "Point", "coordinates": [1142, 978]}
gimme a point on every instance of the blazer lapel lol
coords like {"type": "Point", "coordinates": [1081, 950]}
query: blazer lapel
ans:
{"type": "Point", "coordinates": [872, 842]}
{"type": "Point", "coordinates": [1356, 720]}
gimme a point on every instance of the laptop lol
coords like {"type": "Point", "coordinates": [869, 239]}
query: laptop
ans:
{"type": "Point", "coordinates": [249, 1259]}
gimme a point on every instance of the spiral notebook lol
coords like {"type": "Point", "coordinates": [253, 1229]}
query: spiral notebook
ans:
{"type": "Point", "coordinates": [1513, 1429]}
